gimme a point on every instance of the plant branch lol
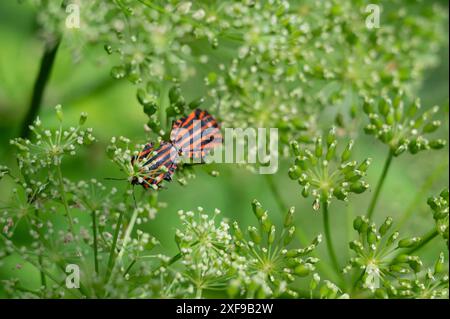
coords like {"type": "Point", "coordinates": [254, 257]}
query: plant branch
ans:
{"type": "Point", "coordinates": [94, 234]}
{"type": "Point", "coordinates": [113, 246]}
{"type": "Point", "coordinates": [47, 61]}
{"type": "Point", "coordinates": [326, 225]}
{"type": "Point", "coordinates": [376, 194]}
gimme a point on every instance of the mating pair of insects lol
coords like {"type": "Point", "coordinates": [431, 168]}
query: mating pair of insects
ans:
{"type": "Point", "coordinates": [192, 137]}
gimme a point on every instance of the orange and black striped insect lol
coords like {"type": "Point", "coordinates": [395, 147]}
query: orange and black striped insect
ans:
{"type": "Point", "coordinates": [192, 137]}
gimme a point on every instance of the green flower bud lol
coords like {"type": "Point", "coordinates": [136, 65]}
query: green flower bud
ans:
{"type": "Point", "coordinates": [439, 266]}
{"type": "Point", "coordinates": [290, 235]}
{"type": "Point", "coordinates": [174, 94]}
{"type": "Point", "coordinates": [381, 293]}
{"type": "Point", "coordinates": [302, 270]}
{"type": "Point", "coordinates": [415, 106]}
{"type": "Point", "coordinates": [365, 165]}
{"type": "Point", "coordinates": [83, 118]}
{"type": "Point", "coordinates": [403, 258]}
{"type": "Point", "coordinates": [306, 190]}
{"type": "Point", "coordinates": [266, 223]}
{"type": "Point", "coordinates": [438, 144]}
{"type": "Point", "coordinates": [295, 147]}
{"type": "Point", "coordinates": [294, 172]}
{"type": "Point", "coordinates": [347, 152]}
{"type": "Point", "coordinates": [385, 106]}
{"type": "Point", "coordinates": [331, 151]}
{"type": "Point", "coordinates": [237, 231]}
{"type": "Point", "coordinates": [359, 187]}
{"type": "Point", "coordinates": [385, 226]}
{"type": "Point", "coordinates": [431, 127]}
{"type": "Point", "coordinates": [371, 236]}
{"type": "Point", "coordinates": [398, 113]}
{"type": "Point", "coordinates": [302, 162]}
{"type": "Point", "coordinates": [254, 235]}
{"type": "Point", "coordinates": [340, 193]}
{"type": "Point", "coordinates": [319, 147]}
{"type": "Point", "coordinates": [303, 179]}
{"type": "Point", "coordinates": [289, 219]}
{"type": "Point", "coordinates": [196, 103]}
{"type": "Point", "coordinates": [257, 209]}
{"type": "Point", "coordinates": [271, 237]}
{"type": "Point", "coordinates": [409, 242]}
{"type": "Point", "coordinates": [392, 238]}
{"type": "Point", "coordinates": [59, 113]}
{"type": "Point", "coordinates": [368, 106]}
{"type": "Point", "coordinates": [356, 246]}
{"type": "Point", "coordinates": [314, 282]}
{"type": "Point", "coordinates": [415, 263]}
{"type": "Point", "coordinates": [358, 223]}
{"type": "Point", "coordinates": [370, 129]}
{"type": "Point", "coordinates": [400, 149]}
{"type": "Point", "coordinates": [331, 137]}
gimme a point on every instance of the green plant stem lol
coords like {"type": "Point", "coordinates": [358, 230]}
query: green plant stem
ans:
{"type": "Point", "coordinates": [376, 194]}
{"type": "Point", "coordinates": [47, 61]}
{"type": "Point", "coordinates": [129, 267]}
{"type": "Point", "coordinates": [64, 199]}
{"type": "Point", "coordinates": [326, 225]}
{"type": "Point", "coordinates": [113, 247]}
{"type": "Point", "coordinates": [40, 259]}
{"type": "Point", "coordinates": [163, 104]}
{"type": "Point", "coordinates": [198, 294]}
{"type": "Point", "coordinates": [126, 239]}
{"type": "Point", "coordinates": [94, 234]}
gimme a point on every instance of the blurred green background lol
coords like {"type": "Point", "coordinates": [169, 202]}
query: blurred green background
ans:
{"type": "Point", "coordinates": [86, 85]}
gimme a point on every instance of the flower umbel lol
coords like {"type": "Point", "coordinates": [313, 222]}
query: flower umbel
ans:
{"type": "Point", "coordinates": [270, 264]}
{"type": "Point", "coordinates": [325, 175]}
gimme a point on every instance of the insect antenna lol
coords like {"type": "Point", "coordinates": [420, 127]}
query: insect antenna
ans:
{"type": "Point", "coordinates": [115, 179]}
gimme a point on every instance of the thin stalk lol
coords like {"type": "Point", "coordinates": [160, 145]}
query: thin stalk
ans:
{"type": "Point", "coordinates": [326, 226]}
{"type": "Point", "coordinates": [129, 267]}
{"type": "Point", "coordinates": [47, 61]}
{"type": "Point", "coordinates": [198, 294]}
{"type": "Point", "coordinates": [40, 259]}
{"type": "Point", "coordinates": [94, 234]}
{"type": "Point", "coordinates": [163, 103]}
{"type": "Point", "coordinates": [64, 199]}
{"type": "Point", "coordinates": [126, 239]}
{"type": "Point", "coordinates": [113, 246]}
{"type": "Point", "coordinates": [376, 194]}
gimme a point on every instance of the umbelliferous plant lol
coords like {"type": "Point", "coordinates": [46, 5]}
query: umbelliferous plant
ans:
{"type": "Point", "coordinates": [256, 64]}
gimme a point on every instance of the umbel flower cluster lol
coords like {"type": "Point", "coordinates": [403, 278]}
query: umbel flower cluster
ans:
{"type": "Point", "coordinates": [326, 174]}
{"type": "Point", "coordinates": [401, 126]}
{"type": "Point", "coordinates": [311, 53]}
{"type": "Point", "coordinates": [389, 268]}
